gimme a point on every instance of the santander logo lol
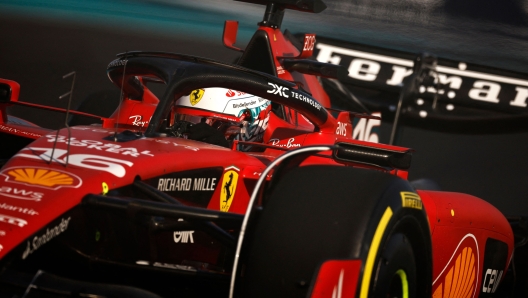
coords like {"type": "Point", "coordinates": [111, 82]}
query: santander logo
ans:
{"type": "Point", "coordinates": [230, 93]}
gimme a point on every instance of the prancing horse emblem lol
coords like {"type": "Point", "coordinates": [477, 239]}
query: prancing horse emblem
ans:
{"type": "Point", "coordinates": [229, 184]}
{"type": "Point", "coordinates": [196, 95]}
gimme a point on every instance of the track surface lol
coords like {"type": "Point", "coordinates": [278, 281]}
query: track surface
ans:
{"type": "Point", "coordinates": [37, 52]}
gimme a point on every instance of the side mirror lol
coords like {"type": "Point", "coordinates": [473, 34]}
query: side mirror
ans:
{"type": "Point", "coordinates": [9, 91]}
{"type": "Point", "coordinates": [230, 34]}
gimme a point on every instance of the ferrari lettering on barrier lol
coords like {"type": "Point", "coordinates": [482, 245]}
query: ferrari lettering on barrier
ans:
{"type": "Point", "coordinates": [90, 144]}
{"type": "Point", "coordinates": [13, 220]}
{"type": "Point", "coordinates": [46, 178]}
{"type": "Point", "coordinates": [111, 165]}
{"type": "Point", "coordinates": [22, 210]}
{"type": "Point", "coordinates": [460, 82]}
{"type": "Point", "coordinates": [186, 184]}
{"type": "Point", "coordinates": [184, 237]}
{"type": "Point", "coordinates": [42, 239]}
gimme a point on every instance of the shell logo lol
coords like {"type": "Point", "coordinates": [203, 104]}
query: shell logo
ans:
{"type": "Point", "coordinates": [459, 277]}
{"type": "Point", "coordinates": [48, 178]}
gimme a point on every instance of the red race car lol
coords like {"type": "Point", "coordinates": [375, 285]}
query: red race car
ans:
{"type": "Point", "coordinates": [240, 180]}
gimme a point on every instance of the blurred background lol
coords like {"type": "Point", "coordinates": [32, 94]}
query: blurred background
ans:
{"type": "Point", "coordinates": [42, 40]}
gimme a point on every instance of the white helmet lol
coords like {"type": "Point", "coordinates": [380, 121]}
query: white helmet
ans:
{"type": "Point", "coordinates": [237, 115]}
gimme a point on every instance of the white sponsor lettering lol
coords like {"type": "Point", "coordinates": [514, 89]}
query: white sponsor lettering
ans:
{"type": "Point", "coordinates": [186, 184]}
{"type": "Point", "coordinates": [174, 184]}
{"type": "Point", "coordinates": [341, 129]}
{"type": "Point", "coordinates": [312, 102]}
{"type": "Point", "coordinates": [491, 280]}
{"type": "Point", "coordinates": [204, 184]}
{"type": "Point", "coordinates": [111, 165]}
{"type": "Point", "coordinates": [18, 193]}
{"type": "Point", "coordinates": [13, 220]}
{"type": "Point", "coordinates": [137, 120]}
{"type": "Point", "coordinates": [260, 174]}
{"type": "Point", "coordinates": [18, 209]}
{"type": "Point", "coordinates": [100, 146]}
{"type": "Point", "coordinates": [51, 233]}
{"type": "Point", "coordinates": [184, 237]}
{"type": "Point", "coordinates": [309, 42]}
{"type": "Point", "coordinates": [19, 132]}
{"type": "Point", "coordinates": [289, 144]}
{"type": "Point", "coordinates": [280, 90]}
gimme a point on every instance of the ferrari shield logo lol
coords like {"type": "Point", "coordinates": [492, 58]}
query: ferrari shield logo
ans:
{"type": "Point", "coordinates": [229, 184]}
{"type": "Point", "coordinates": [196, 95]}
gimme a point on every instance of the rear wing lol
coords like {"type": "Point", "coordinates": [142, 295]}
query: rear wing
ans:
{"type": "Point", "coordinates": [465, 98]}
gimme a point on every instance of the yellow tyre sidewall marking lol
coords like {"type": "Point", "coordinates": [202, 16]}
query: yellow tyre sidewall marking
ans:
{"type": "Point", "coordinates": [405, 284]}
{"type": "Point", "coordinates": [373, 252]}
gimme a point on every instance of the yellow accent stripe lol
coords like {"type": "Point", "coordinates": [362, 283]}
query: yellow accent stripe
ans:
{"type": "Point", "coordinates": [405, 283]}
{"type": "Point", "coordinates": [373, 251]}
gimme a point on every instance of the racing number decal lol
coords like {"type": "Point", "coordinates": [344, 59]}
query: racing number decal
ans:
{"type": "Point", "coordinates": [196, 96]}
{"type": "Point", "coordinates": [229, 184]}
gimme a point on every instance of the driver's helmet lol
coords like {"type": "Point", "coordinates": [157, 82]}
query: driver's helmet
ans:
{"type": "Point", "coordinates": [236, 115]}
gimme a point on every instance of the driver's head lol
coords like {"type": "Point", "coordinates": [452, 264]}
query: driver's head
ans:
{"type": "Point", "coordinates": [236, 115]}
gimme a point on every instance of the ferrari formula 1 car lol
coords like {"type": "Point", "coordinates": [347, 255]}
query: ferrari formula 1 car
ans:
{"type": "Point", "coordinates": [239, 180]}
